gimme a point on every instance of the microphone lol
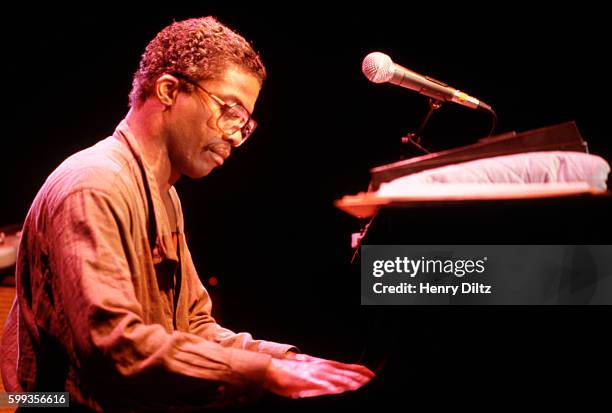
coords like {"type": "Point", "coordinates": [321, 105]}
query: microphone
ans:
{"type": "Point", "coordinates": [379, 68]}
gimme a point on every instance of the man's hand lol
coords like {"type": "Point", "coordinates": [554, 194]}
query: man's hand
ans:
{"type": "Point", "coordinates": [301, 375]}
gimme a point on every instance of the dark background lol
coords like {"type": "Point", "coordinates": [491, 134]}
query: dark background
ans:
{"type": "Point", "coordinates": [264, 224]}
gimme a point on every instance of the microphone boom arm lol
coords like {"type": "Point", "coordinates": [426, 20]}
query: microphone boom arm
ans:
{"type": "Point", "coordinates": [415, 137]}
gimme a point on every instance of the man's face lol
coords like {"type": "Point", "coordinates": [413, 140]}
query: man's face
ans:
{"type": "Point", "coordinates": [195, 144]}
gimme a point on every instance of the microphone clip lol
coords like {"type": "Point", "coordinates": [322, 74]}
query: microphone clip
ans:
{"type": "Point", "coordinates": [414, 138]}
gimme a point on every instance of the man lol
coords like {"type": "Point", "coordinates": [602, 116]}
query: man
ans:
{"type": "Point", "coordinates": [109, 306]}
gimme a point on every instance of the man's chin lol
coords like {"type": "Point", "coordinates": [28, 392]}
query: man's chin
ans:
{"type": "Point", "coordinates": [197, 173]}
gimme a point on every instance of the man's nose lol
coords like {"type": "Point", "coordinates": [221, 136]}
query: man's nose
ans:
{"type": "Point", "coordinates": [233, 139]}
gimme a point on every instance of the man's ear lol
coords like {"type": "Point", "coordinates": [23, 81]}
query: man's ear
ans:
{"type": "Point", "coordinates": [167, 89]}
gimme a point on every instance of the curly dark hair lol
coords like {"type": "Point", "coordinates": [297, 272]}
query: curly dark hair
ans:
{"type": "Point", "coordinates": [198, 48]}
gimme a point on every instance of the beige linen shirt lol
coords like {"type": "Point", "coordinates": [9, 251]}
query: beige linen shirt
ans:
{"type": "Point", "coordinates": [97, 311]}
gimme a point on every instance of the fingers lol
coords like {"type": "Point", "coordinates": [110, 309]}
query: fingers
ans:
{"type": "Point", "coordinates": [344, 382]}
{"type": "Point", "coordinates": [333, 384]}
{"type": "Point", "coordinates": [349, 378]}
{"type": "Point", "coordinates": [313, 393]}
{"type": "Point", "coordinates": [354, 367]}
{"type": "Point", "coordinates": [355, 376]}
{"type": "Point", "coordinates": [332, 380]}
{"type": "Point", "coordinates": [315, 377]}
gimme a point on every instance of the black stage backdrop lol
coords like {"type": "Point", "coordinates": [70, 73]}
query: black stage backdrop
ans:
{"type": "Point", "coordinates": [264, 224]}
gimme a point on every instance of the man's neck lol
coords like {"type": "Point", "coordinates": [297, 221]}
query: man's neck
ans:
{"type": "Point", "coordinates": [146, 126]}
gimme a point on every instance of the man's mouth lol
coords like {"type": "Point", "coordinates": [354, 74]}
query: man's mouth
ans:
{"type": "Point", "coordinates": [218, 159]}
{"type": "Point", "coordinates": [219, 152]}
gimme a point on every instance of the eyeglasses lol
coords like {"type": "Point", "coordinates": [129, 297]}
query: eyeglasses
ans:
{"type": "Point", "coordinates": [234, 117]}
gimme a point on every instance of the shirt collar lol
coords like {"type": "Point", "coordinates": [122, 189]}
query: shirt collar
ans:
{"type": "Point", "coordinates": [163, 242]}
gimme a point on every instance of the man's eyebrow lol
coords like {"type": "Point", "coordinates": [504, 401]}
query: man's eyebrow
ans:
{"type": "Point", "coordinates": [230, 99]}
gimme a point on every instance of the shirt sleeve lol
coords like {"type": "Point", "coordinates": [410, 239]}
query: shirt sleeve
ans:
{"type": "Point", "coordinates": [122, 358]}
{"type": "Point", "coordinates": [204, 325]}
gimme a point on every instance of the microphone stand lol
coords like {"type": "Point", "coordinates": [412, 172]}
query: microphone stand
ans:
{"type": "Point", "coordinates": [415, 137]}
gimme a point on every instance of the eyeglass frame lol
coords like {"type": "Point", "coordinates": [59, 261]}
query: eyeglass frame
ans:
{"type": "Point", "coordinates": [224, 107]}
